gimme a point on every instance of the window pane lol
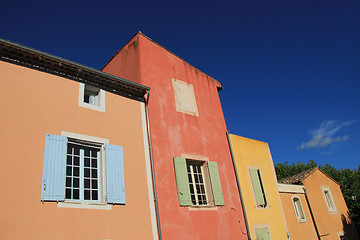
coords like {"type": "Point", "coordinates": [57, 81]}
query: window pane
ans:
{"type": "Point", "coordinates": [87, 194]}
{"type": "Point", "coordinates": [87, 172]}
{"type": "Point", "coordinates": [87, 153]}
{"type": "Point", "coordinates": [76, 194]}
{"type": "Point", "coordinates": [87, 162]}
{"type": "Point", "coordinates": [76, 183]}
{"type": "Point", "coordinates": [76, 171]}
{"type": "Point", "coordinates": [94, 163]}
{"type": "Point", "coordinates": [94, 153]}
{"type": "Point", "coordinates": [69, 160]}
{"type": "Point", "coordinates": [94, 173]}
{"type": "Point", "coordinates": [68, 171]}
{"type": "Point", "coordinates": [68, 182]}
{"type": "Point", "coordinates": [94, 195]}
{"type": "Point", "coordinates": [94, 184]}
{"type": "Point", "coordinates": [86, 183]}
{"type": "Point", "coordinates": [68, 193]}
{"type": "Point", "coordinates": [76, 161]}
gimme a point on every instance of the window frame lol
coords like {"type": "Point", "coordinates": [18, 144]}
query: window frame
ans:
{"type": "Point", "coordinates": [99, 99]}
{"type": "Point", "coordinates": [298, 208]}
{"type": "Point", "coordinates": [329, 200]}
{"type": "Point", "coordinates": [262, 188]}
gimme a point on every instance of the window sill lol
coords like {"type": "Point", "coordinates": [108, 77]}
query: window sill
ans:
{"type": "Point", "coordinates": [84, 205]}
{"type": "Point", "coordinates": [203, 208]}
{"type": "Point", "coordinates": [301, 220]}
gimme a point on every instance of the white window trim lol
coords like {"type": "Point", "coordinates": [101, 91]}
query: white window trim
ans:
{"type": "Point", "coordinates": [178, 108]}
{"type": "Point", "coordinates": [331, 209]}
{"type": "Point", "coordinates": [88, 204]}
{"type": "Point", "coordinates": [299, 219]}
{"type": "Point", "coordinates": [100, 108]}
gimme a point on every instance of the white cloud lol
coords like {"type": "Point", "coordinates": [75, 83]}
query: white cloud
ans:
{"type": "Point", "coordinates": [325, 134]}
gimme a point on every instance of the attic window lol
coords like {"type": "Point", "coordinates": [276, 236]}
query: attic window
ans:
{"type": "Point", "coordinates": [91, 97]}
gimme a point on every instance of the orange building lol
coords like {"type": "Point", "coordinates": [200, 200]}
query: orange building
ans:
{"type": "Point", "coordinates": [326, 202]}
{"type": "Point", "coordinates": [196, 186]}
{"type": "Point", "coordinates": [75, 153]}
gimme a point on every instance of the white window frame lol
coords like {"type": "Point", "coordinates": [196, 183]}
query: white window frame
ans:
{"type": "Point", "coordinates": [90, 204]}
{"type": "Point", "coordinates": [98, 101]}
{"type": "Point", "coordinates": [298, 208]}
{"type": "Point", "coordinates": [329, 200]}
{"type": "Point", "coordinates": [179, 98]}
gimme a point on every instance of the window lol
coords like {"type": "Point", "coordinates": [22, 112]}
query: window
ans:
{"type": "Point", "coordinates": [185, 97]}
{"type": "Point", "coordinates": [262, 233]}
{"type": "Point", "coordinates": [258, 187]}
{"type": "Point", "coordinates": [198, 182]}
{"type": "Point", "coordinates": [74, 171]}
{"type": "Point", "coordinates": [329, 199]}
{"type": "Point", "coordinates": [299, 211]}
{"type": "Point", "coordinates": [91, 97]}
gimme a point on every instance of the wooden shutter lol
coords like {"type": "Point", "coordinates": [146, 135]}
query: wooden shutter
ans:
{"type": "Point", "coordinates": [216, 184]}
{"type": "Point", "coordinates": [182, 182]}
{"type": "Point", "coordinates": [262, 234]}
{"type": "Point", "coordinates": [115, 183]}
{"type": "Point", "coordinates": [53, 178]}
{"type": "Point", "coordinates": [255, 179]}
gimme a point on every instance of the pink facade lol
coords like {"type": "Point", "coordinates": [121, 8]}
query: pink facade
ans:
{"type": "Point", "coordinates": [189, 126]}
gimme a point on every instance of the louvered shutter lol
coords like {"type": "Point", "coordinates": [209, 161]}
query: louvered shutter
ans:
{"type": "Point", "coordinates": [216, 184]}
{"type": "Point", "coordinates": [262, 234]}
{"type": "Point", "coordinates": [53, 178]}
{"type": "Point", "coordinates": [255, 179]}
{"type": "Point", "coordinates": [182, 181]}
{"type": "Point", "coordinates": [115, 183]}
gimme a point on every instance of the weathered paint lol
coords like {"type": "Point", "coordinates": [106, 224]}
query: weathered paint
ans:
{"type": "Point", "coordinates": [177, 133]}
{"type": "Point", "coordinates": [298, 230]}
{"type": "Point", "coordinates": [329, 223]}
{"type": "Point", "coordinates": [250, 154]}
{"type": "Point", "coordinates": [36, 103]}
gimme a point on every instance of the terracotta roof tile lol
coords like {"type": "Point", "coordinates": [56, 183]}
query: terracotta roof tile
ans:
{"type": "Point", "coordinates": [298, 178]}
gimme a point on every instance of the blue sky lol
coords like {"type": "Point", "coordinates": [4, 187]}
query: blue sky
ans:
{"type": "Point", "coordinates": [290, 69]}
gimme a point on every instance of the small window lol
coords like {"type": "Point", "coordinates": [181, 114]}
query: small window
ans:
{"type": "Point", "coordinates": [185, 97]}
{"type": "Point", "coordinates": [262, 233]}
{"type": "Point", "coordinates": [329, 199]}
{"type": "Point", "coordinates": [91, 97]}
{"type": "Point", "coordinates": [299, 211]}
{"type": "Point", "coordinates": [258, 187]}
{"type": "Point", "coordinates": [198, 182]}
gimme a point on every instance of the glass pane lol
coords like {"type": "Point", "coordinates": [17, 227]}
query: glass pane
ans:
{"type": "Point", "coordinates": [94, 153]}
{"type": "Point", "coordinates": [94, 163]}
{"type": "Point", "coordinates": [69, 150]}
{"type": "Point", "coordinates": [94, 184]}
{"type": "Point", "coordinates": [193, 199]}
{"type": "Point", "coordinates": [86, 183]}
{"type": "Point", "coordinates": [201, 179]}
{"type": "Point", "coordinates": [191, 189]}
{"type": "Point", "coordinates": [77, 151]}
{"type": "Point", "coordinates": [94, 195]}
{"type": "Point", "coordinates": [68, 171]}
{"type": "Point", "coordinates": [87, 172]}
{"type": "Point", "coordinates": [87, 153]}
{"type": "Point", "coordinates": [87, 162]}
{"type": "Point", "coordinates": [69, 160]}
{"type": "Point", "coordinates": [68, 193]}
{"type": "Point", "coordinates": [76, 161]}
{"type": "Point", "coordinates": [76, 171]}
{"type": "Point", "coordinates": [94, 173]}
{"type": "Point", "coordinates": [188, 167]}
{"type": "Point", "coordinates": [202, 189]}
{"type": "Point", "coordinates": [190, 178]}
{"type": "Point", "coordinates": [76, 194]}
{"type": "Point", "coordinates": [76, 182]}
{"type": "Point", "coordinates": [196, 178]}
{"type": "Point", "coordinates": [87, 194]}
{"type": "Point", "coordinates": [68, 182]}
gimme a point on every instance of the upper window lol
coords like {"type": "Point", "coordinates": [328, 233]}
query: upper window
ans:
{"type": "Point", "coordinates": [329, 199]}
{"type": "Point", "coordinates": [198, 182]}
{"type": "Point", "coordinates": [258, 187]}
{"type": "Point", "coordinates": [299, 211]}
{"type": "Point", "coordinates": [185, 97]}
{"type": "Point", "coordinates": [74, 171]}
{"type": "Point", "coordinates": [91, 97]}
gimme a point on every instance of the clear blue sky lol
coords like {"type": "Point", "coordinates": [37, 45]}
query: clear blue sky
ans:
{"type": "Point", "coordinates": [290, 69]}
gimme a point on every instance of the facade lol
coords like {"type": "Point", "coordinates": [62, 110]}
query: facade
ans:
{"type": "Point", "coordinates": [197, 194]}
{"type": "Point", "coordinates": [75, 151]}
{"type": "Point", "coordinates": [257, 180]}
{"type": "Point", "coordinates": [297, 212]}
{"type": "Point", "coordinates": [327, 204]}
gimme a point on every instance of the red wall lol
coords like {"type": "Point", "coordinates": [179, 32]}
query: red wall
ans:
{"type": "Point", "coordinates": [175, 133]}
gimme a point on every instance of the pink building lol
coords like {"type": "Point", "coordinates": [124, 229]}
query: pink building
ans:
{"type": "Point", "coordinates": [197, 195]}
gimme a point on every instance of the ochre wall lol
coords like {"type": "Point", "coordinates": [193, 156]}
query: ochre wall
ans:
{"type": "Point", "coordinates": [298, 230]}
{"type": "Point", "coordinates": [250, 153]}
{"type": "Point", "coordinates": [175, 133]}
{"type": "Point", "coordinates": [37, 103]}
{"type": "Point", "coordinates": [328, 223]}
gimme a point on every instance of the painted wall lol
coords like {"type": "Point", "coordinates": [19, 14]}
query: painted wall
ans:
{"type": "Point", "coordinates": [328, 223]}
{"type": "Point", "coordinates": [179, 134]}
{"type": "Point", "coordinates": [249, 153]}
{"type": "Point", "coordinates": [298, 230]}
{"type": "Point", "coordinates": [36, 104]}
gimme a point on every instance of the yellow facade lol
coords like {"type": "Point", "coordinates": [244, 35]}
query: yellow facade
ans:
{"type": "Point", "coordinates": [251, 157]}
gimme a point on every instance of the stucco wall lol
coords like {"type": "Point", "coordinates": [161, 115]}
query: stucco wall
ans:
{"type": "Point", "coordinates": [176, 133]}
{"type": "Point", "coordinates": [37, 103]}
{"type": "Point", "coordinates": [249, 153]}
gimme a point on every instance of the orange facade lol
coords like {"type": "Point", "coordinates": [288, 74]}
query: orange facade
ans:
{"type": "Point", "coordinates": [187, 125]}
{"type": "Point", "coordinates": [36, 103]}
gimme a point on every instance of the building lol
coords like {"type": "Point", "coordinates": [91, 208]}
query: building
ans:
{"type": "Point", "coordinates": [258, 184]}
{"type": "Point", "coordinates": [75, 153]}
{"type": "Point", "coordinates": [297, 212]}
{"type": "Point", "coordinates": [197, 195]}
{"type": "Point", "coordinates": [326, 203]}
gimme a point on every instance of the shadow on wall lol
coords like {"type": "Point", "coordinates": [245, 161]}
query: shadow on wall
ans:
{"type": "Point", "coordinates": [350, 232]}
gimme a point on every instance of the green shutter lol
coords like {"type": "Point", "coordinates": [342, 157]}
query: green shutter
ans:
{"type": "Point", "coordinates": [255, 179]}
{"type": "Point", "coordinates": [182, 181]}
{"type": "Point", "coordinates": [215, 183]}
{"type": "Point", "coordinates": [262, 234]}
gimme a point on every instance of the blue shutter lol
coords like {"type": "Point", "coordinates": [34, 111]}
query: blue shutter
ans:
{"type": "Point", "coordinates": [115, 184]}
{"type": "Point", "coordinates": [53, 179]}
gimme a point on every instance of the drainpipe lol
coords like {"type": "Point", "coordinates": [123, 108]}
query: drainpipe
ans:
{"type": "Point", "coordinates": [152, 166]}
{"type": "Point", "coordinates": [312, 215]}
{"type": "Point", "coordinates": [238, 185]}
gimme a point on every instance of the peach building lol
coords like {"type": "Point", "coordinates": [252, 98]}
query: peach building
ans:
{"type": "Point", "coordinates": [75, 153]}
{"type": "Point", "coordinates": [325, 201]}
{"type": "Point", "coordinates": [258, 184]}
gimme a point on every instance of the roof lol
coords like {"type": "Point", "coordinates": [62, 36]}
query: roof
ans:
{"type": "Point", "coordinates": [298, 178]}
{"type": "Point", "coordinates": [41, 61]}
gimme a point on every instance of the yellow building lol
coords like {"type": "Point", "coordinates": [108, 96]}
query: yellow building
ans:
{"type": "Point", "coordinates": [258, 184]}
